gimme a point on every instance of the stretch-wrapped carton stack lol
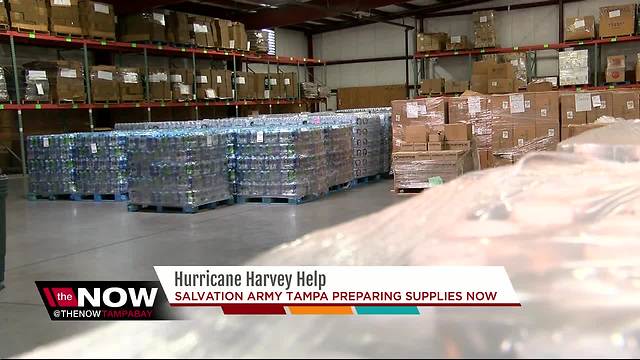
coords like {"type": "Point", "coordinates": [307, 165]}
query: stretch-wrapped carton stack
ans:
{"type": "Point", "coordinates": [573, 67]}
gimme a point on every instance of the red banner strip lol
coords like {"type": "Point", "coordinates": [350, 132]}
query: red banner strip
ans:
{"type": "Point", "coordinates": [250, 309]}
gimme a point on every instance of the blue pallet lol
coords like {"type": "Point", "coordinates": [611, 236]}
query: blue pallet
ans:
{"type": "Point", "coordinates": [52, 197]}
{"type": "Point", "coordinates": [185, 210]}
{"type": "Point", "coordinates": [365, 180]}
{"type": "Point", "coordinates": [340, 187]}
{"type": "Point", "coordinates": [100, 197]}
{"type": "Point", "coordinates": [241, 199]}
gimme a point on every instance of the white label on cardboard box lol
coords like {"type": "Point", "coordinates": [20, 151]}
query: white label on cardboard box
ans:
{"type": "Point", "coordinates": [569, 114]}
{"type": "Point", "coordinates": [105, 75]}
{"type": "Point", "coordinates": [514, 62]}
{"type": "Point", "coordinates": [578, 23]}
{"type": "Point", "coordinates": [202, 29]}
{"type": "Point", "coordinates": [39, 89]}
{"type": "Point", "coordinates": [209, 140]}
{"type": "Point", "coordinates": [583, 102]}
{"type": "Point", "coordinates": [397, 117]}
{"type": "Point", "coordinates": [185, 89]}
{"type": "Point", "coordinates": [614, 13]}
{"type": "Point", "coordinates": [422, 109]}
{"type": "Point", "coordinates": [202, 79]}
{"type": "Point", "coordinates": [241, 80]}
{"type": "Point", "coordinates": [68, 73]}
{"type": "Point", "coordinates": [505, 134]}
{"type": "Point", "coordinates": [287, 81]}
{"type": "Point", "coordinates": [412, 110]}
{"type": "Point", "coordinates": [517, 103]}
{"type": "Point", "coordinates": [101, 8]}
{"type": "Point", "coordinates": [273, 81]}
{"type": "Point", "coordinates": [248, 45]}
{"type": "Point", "coordinates": [456, 39]}
{"type": "Point", "coordinates": [520, 142]}
{"type": "Point", "coordinates": [603, 104]}
{"type": "Point", "coordinates": [527, 104]}
{"type": "Point", "coordinates": [219, 79]}
{"type": "Point", "coordinates": [176, 78]}
{"type": "Point", "coordinates": [494, 83]}
{"type": "Point", "coordinates": [461, 107]}
{"type": "Point", "coordinates": [595, 101]}
{"type": "Point", "coordinates": [505, 105]}
{"type": "Point", "coordinates": [260, 137]}
{"type": "Point", "coordinates": [211, 94]}
{"type": "Point", "coordinates": [267, 94]}
{"type": "Point", "coordinates": [159, 18]}
{"type": "Point", "coordinates": [232, 43]}
{"type": "Point", "coordinates": [543, 112]}
{"type": "Point", "coordinates": [630, 105]}
{"type": "Point", "coordinates": [45, 142]}
{"type": "Point", "coordinates": [483, 19]}
{"type": "Point", "coordinates": [474, 105]}
{"type": "Point", "coordinates": [551, 132]}
{"type": "Point", "coordinates": [62, 2]}
{"type": "Point", "coordinates": [94, 148]}
{"type": "Point", "coordinates": [130, 78]}
{"type": "Point", "coordinates": [37, 75]}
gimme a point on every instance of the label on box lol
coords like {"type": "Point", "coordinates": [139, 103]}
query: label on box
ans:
{"type": "Point", "coordinates": [520, 142]}
{"type": "Point", "coordinates": [267, 94]}
{"type": "Point", "coordinates": [219, 79]}
{"type": "Point", "coordinates": [94, 148]}
{"type": "Point", "coordinates": [105, 75]}
{"type": "Point", "coordinates": [614, 13]}
{"type": "Point", "coordinates": [37, 75]}
{"type": "Point", "coordinates": [456, 39]}
{"type": "Point", "coordinates": [583, 102]}
{"type": "Point", "coordinates": [287, 81]}
{"type": "Point", "coordinates": [517, 103]}
{"type": "Point", "coordinates": [202, 79]}
{"type": "Point", "coordinates": [505, 105]}
{"type": "Point", "coordinates": [260, 137]}
{"type": "Point", "coordinates": [483, 19]}
{"type": "Point", "coordinates": [630, 105]}
{"type": "Point", "coordinates": [198, 28]}
{"type": "Point", "coordinates": [422, 109]}
{"type": "Point", "coordinates": [45, 142]}
{"type": "Point", "coordinates": [494, 83]}
{"type": "Point", "coordinates": [159, 18]}
{"type": "Point", "coordinates": [461, 107]}
{"type": "Point", "coordinates": [578, 23]}
{"type": "Point", "coordinates": [551, 132]}
{"type": "Point", "coordinates": [595, 101]}
{"type": "Point", "coordinates": [273, 81]}
{"type": "Point", "coordinates": [248, 45]}
{"type": "Point", "coordinates": [412, 110]}
{"type": "Point", "coordinates": [569, 115]}
{"type": "Point", "coordinates": [397, 117]}
{"type": "Point", "coordinates": [62, 2]}
{"type": "Point", "coordinates": [474, 105]}
{"type": "Point", "coordinates": [40, 89]}
{"type": "Point", "coordinates": [68, 73]}
{"type": "Point", "coordinates": [211, 94]}
{"type": "Point", "coordinates": [232, 43]}
{"type": "Point", "coordinates": [505, 134]}
{"type": "Point", "coordinates": [101, 8]}
{"type": "Point", "coordinates": [185, 89]}
{"type": "Point", "coordinates": [514, 62]}
{"type": "Point", "coordinates": [543, 112]}
{"type": "Point", "coordinates": [603, 104]}
{"type": "Point", "coordinates": [209, 140]}
{"type": "Point", "coordinates": [527, 104]}
{"type": "Point", "coordinates": [241, 80]}
{"type": "Point", "coordinates": [130, 78]}
{"type": "Point", "coordinates": [176, 78]}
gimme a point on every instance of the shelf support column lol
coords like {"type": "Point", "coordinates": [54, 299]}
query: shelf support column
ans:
{"type": "Point", "coordinates": [235, 84]}
{"type": "Point", "coordinates": [596, 64]}
{"type": "Point", "coordinates": [20, 123]}
{"type": "Point", "coordinates": [195, 85]}
{"type": "Point", "coordinates": [87, 81]}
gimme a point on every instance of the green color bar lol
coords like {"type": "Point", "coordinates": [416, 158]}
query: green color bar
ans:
{"type": "Point", "coordinates": [134, 45]}
{"type": "Point", "coordinates": [387, 310]}
{"type": "Point", "coordinates": [103, 43]}
{"type": "Point", "coordinates": [1, 106]}
{"type": "Point", "coordinates": [38, 107]}
{"type": "Point", "coordinates": [32, 35]}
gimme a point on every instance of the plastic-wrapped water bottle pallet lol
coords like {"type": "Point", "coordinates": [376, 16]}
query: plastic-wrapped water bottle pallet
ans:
{"type": "Point", "coordinates": [52, 197]}
{"type": "Point", "coordinates": [100, 197]}
{"type": "Point", "coordinates": [340, 187]}
{"type": "Point", "coordinates": [241, 199]}
{"type": "Point", "coordinates": [365, 180]}
{"type": "Point", "coordinates": [186, 209]}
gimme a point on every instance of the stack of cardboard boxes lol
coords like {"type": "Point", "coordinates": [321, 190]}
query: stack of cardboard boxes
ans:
{"type": "Point", "coordinates": [618, 20]}
{"type": "Point", "coordinates": [573, 67]}
{"type": "Point", "coordinates": [201, 31]}
{"type": "Point", "coordinates": [615, 69]}
{"type": "Point", "coordinates": [29, 15]}
{"type": "Point", "coordinates": [579, 28]}
{"type": "Point", "coordinates": [204, 85]}
{"type": "Point", "coordinates": [159, 86]}
{"type": "Point", "coordinates": [181, 84]}
{"type": "Point", "coordinates": [65, 78]}
{"type": "Point", "coordinates": [143, 27]}
{"type": "Point", "coordinates": [105, 87]}
{"type": "Point", "coordinates": [64, 17]}
{"type": "Point", "coordinates": [97, 20]}
{"type": "Point", "coordinates": [131, 87]}
{"type": "Point", "coordinates": [484, 29]}
{"type": "Point", "coordinates": [474, 110]}
{"type": "Point", "coordinates": [221, 81]}
{"type": "Point", "coordinates": [178, 28]}
{"type": "Point", "coordinates": [489, 77]}
{"type": "Point", "coordinates": [4, 16]}
{"type": "Point", "coordinates": [432, 87]}
{"type": "Point", "coordinates": [457, 42]}
{"type": "Point", "coordinates": [431, 41]}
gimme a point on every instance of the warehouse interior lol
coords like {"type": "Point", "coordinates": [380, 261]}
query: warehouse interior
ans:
{"type": "Point", "coordinates": [323, 132]}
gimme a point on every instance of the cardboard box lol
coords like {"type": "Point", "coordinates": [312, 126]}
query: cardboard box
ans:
{"type": "Point", "coordinates": [97, 20]}
{"type": "Point", "coordinates": [105, 86]}
{"type": "Point", "coordinates": [500, 86]}
{"type": "Point", "coordinates": [549, 130]}
{"type": "Point", "coordinates": [181, 84]}
{"type": "Point", "coordinates": [625, 104]}
{"type": "Point", "coordinates": [200, 31]}
{"type": "Point", "coordinates": [435, 146]}
{"type": "Point", "coordinates": [222, 82]}
{"type": "Point", "coordinates": [432, 86]}
{"type": "Point", "coordinates": [29, 15]}
{"type": "Point", "coordinates": [579, 28]}
{"type": "Point", "coordinates": [457, 42]}
{"type": "Point", "coordinates": [482, 67]}
{"type": "Point", "coordinates": [573, 67]}
{"type": "Point", "coordinates": [178, 29]}
{"type": "Point", "coordinates": [524, 133]}
{"type": "Point", "coordinates": [547, 106]}
{"type": "Point", "coordinates": [575, 130]}
{"type": "Point", "coordinates": [569, 115]}
{"type": "Point", "coordinates": [484, 156]}
{"type": "Point", "coordinates": [431, 41]}
{"type": "Point", "coordinates": [617, 20]}
{"type": "Point", "coordinates": [455, 86]}
{"type": "Point", "coordinates": [4, 15]}
{"type": "Point", "coordinates": [223, 33]}
{"type": "Point", "coordinates": [65, 78]}
{"type": "Point", "coordinates": [426, 112]}
{"type": "Point", "coordinates": [131, 85]}
{"type": "Point", "coordinates": [245, 85]}
{"type": "Point", "coordinates": [502, 137]}
{"type": "Point", "coordinates": [148, 26]}
{"type": "Point", "coordinates": [238, 38]}
{"type": "Point", "coordinates": [540, 86]}
{"type": "Point", "coordinates": [159, 85]}
{"type": "Point", "coordinates": [615, 69]}
{"type": "Point", "coordinates": [290, 84]}
{"type": "Point", "coordinates": [457, 145]}
{"type": "Point", "coordinates": [64, 17]}
{"type": "Point", "coordinates": [605, 100]}
{"type": "Point", "coordinates": [565, 133]}
{"type": "Point", "coordinates": [480, 84]}
{"type": "Point", "coordinates": [416, 134]}
{"type": "Point", "coordinates": [500, 71]}
{"type": "Point", "coordinates": [260, 83]}
{"type": "Point", "coordinates": [484, 29]}
{"type": "Point", "coordinates": [638, 72]}
{"type": "Point", "coordinates": [458, 132]}
{"type": "Point", "coordinates": [436, 137]}
{"type": "Point", "coordinates": [204, 85]}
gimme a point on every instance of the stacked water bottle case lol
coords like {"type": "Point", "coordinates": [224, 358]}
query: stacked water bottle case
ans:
{"type": "Point", "coordinates": [51, 165]}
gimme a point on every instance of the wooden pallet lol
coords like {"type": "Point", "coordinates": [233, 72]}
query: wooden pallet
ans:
{"type": "Point", "coordinates": [409, 190]}
{"type": "Point", "coordinates": [242, 199]}
{"type": "Point", "coordinates": [63, 101]}
{"type": "Point", "coordinates": [107, 102]}
{"type": "Point", "coordinates": [365, 180]}
{"type": "Point", "coordinates": [340, 187]}
{"type": "Point", "coordinates": [67, 31]}
{"type": "Point", "coordinates": [30, 28]}
{"type": "Point", "coordinates": [36, 101]}
{"type": "Point", "coordinates": [131, 101]}
{"type": "Point", "coordinates": [51, 197]}
{"type": "Point", "coordinates": [100, 197]}
{"type": "Point", "coordinates": [4, 27]}
{"type": "Point", "coordinates": [101, 36]}
{"type": "Point", "coordinates": [184, 210]}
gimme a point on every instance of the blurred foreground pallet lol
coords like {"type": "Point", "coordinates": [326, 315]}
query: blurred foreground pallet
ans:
{"type": "Point", "coordinates": [176, 209]}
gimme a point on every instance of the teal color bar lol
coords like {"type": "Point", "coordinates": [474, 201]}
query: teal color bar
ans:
{"type": "Point", "coordinates": [387, 310]}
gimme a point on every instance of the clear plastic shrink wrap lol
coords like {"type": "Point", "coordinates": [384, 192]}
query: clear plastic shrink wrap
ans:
{"type": "Point", "coordinates": [417, 170]}
{"type": "Point", "coordinates": [411, 119]}
{"type": "Point", "coordinates": [367, 133]}
{"type": "Point", "coordinates": [476, 111]}
{"type": "Point", "coordinates": [573, 67]}
{"type": "Point", "coordinates": [565, 229]}
{"type": "Point", "coordinates": [178, 168]}
{"type": "Point", "coordinates": [51, 164]}
{"type": "Point", "coordinates": [619, 141]}
{"type": "Point", "coordinates": [36, 85]}
{"type": "Point", "coordinates": [339, 148]}
{"type": "Point", "coordinates": [101, 163]}
{"type": "Point", "coordinates": [484, 29]}
{"type": "Point", "coordinates": [4, 91]}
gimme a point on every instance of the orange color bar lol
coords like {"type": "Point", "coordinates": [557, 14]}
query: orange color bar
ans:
{"type": "Point", "coordinates": [320, 310]}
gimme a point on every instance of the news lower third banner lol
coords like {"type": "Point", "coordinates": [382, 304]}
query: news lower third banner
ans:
{"type": "Point", "coordinates": [279, 290]}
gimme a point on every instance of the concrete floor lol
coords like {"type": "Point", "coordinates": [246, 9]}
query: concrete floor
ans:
{"type": "Point", "coordinates": [64, 240]}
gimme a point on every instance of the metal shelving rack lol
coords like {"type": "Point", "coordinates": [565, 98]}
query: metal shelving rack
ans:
{"type": "Point", "coordinates": [37, 39]}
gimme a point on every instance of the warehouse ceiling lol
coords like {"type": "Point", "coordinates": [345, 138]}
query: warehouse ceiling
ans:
{"type": "Point", "coordinates": [310, 16]}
